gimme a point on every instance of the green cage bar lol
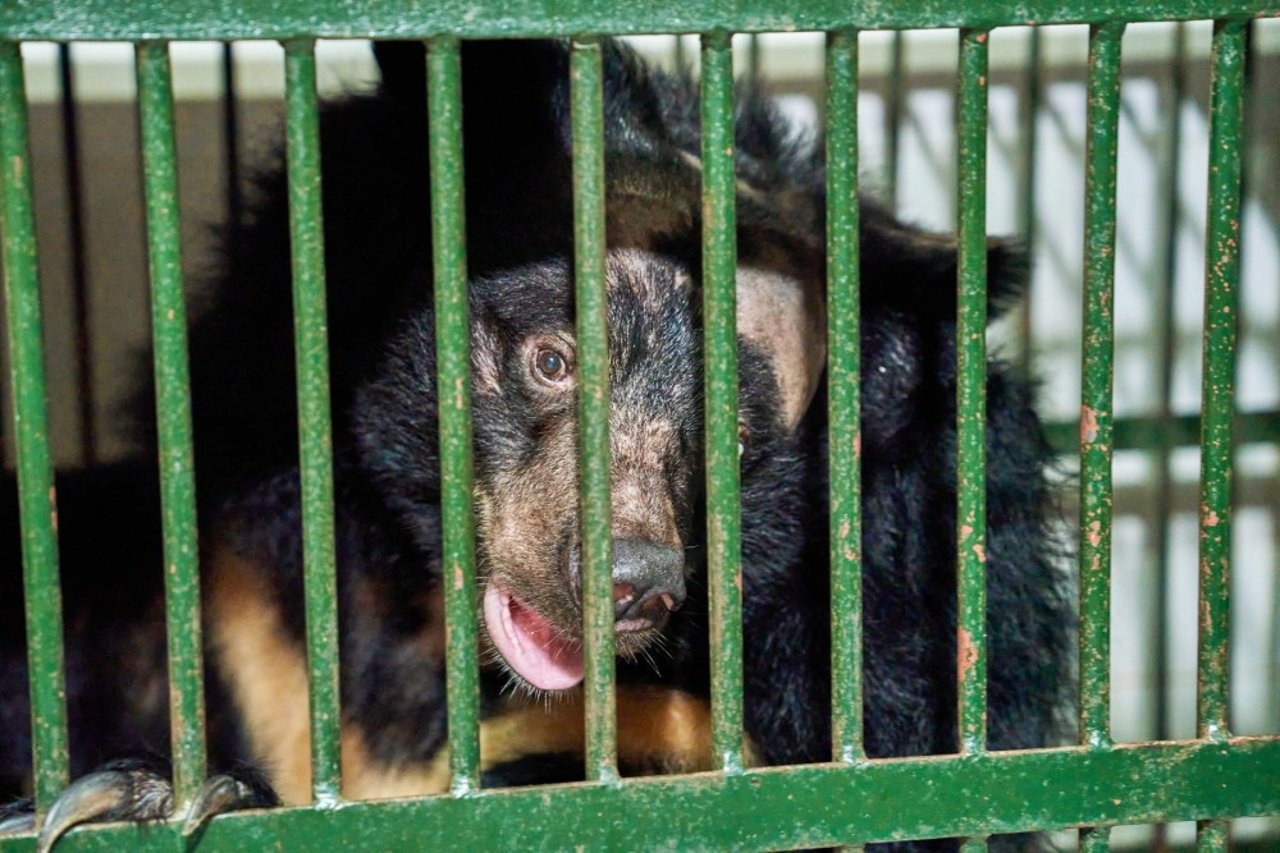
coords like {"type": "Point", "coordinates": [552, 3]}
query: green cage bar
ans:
{"type": "Point", "coordinates": [719, 260]}
{"type": "Point", "coordinates": [971, 393]}
{"type": "Point", "coordinates": [1096, 839]}
{"type": "Point", "coordinates": [71, 163]}
{"type": "Point", "coordinates": [1097, 371]}
{"type": "Point", "coordinates": [453, 345]}
{"type": "Point", "coordinates": [1213, 836]}
{"type": "Point", "coordinates": [1221, 298]}
{"type": "Point", "coordinates": [263, 19]}
{"type": "Point", "coordinates": [173, 416]}
{"type": "Point", "coordinates": [595, 457]}
{"type": "Point", "coordinates": [315, 438]}
{"type": "Point", "coordinates": [36, 500]}
{"type": "Point", "coordinates": [777, 808]}
{"type": "Point", "coordinates": [844, 395]}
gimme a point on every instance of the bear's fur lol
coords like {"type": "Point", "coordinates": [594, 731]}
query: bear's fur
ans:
{"type": "Point", "coordinates": [519, 244]}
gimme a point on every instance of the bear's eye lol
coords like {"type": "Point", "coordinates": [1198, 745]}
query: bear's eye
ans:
{"type": "Point", "coordinates": [550, 366]}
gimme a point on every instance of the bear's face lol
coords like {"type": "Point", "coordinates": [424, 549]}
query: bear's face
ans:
{"type": "Point", "coordinates": [525, 428]}
{"type": "Point", "coordinates": [525, 410]}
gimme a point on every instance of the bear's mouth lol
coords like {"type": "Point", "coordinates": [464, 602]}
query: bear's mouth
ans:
{"type": "Point", "coordinates": [529, 643]}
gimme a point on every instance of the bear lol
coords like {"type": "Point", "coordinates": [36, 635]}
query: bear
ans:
{"type": "Point", "coordinates": [519, 251]}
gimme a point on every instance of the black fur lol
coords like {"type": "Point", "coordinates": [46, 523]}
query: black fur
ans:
{"type": "Point", "coordinates": [519, 256]}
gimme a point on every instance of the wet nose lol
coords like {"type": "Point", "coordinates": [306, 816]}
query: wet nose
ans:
{"type": "Point", "coordinates": [648, 582]}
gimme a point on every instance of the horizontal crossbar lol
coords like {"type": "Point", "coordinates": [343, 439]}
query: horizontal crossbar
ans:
{"type": "Point", "coordinates": [109, 20]}
{"type": "Point", "coordinates": [815, 805]}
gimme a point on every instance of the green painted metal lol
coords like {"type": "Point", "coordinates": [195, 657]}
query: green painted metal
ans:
{"type": "Point", "coordinates": [1096, 839]}
{"type": "Point", "coordinates": [283, 19]}
{"type": "Point", "coordinates": [36, 499]}
{"type": "Point", "coordinates": [1213, 836]}
{"type": "Point", "coordinates": [893, 100]}
{"type": "Point", "coordinates": [809, 806]}
{"type": "Point", "coordinates": [595, 457]}
{"type": "Point", "coordinates": [971, 393]}
{"type": "Point", "coordinates": [72, 168]}
{"type": "Point", "coordinates": [1221, 300]}
{"type": "Point", "coordinates": [314, 430]}
{"type": "Point", "coordinates": [173, 416]}
{"type": "Point", "coordinates": [1138, 433]}
{"type": "Point", "coordinates": [453, 352]}
{"type": "Point", "coordinates": [719, 307]}
{"type": "Point", "coordinates": [844, 395]}
{"type": "Point", "coordinates": [1097, 371]}
{"type": "Point", "coordinates": [1028, 124]}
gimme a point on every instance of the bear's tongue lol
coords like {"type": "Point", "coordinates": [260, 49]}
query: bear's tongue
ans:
{"type": "Point", "coordinates": [528, 642]}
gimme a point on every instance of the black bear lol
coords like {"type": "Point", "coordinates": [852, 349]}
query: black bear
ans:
{"type": "Point", "coordinates": [519, 246]}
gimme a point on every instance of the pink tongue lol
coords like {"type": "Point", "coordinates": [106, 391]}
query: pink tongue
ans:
{"type": "Point", "coordinates": [529, 644]}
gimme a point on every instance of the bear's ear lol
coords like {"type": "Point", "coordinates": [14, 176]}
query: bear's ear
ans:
{"type": "Point", "coordinates": [651, 202]}
{"type": "Point", "coordinates": [914, 271]}
{"type": "Point", "coordinates": [785, 316]}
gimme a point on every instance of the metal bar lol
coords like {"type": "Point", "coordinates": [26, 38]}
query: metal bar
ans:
{"type": "Point", "coordinates": [719, 259]}
{"type": "Point", "coordinates": [1140, 433]}
{"type": "Point", "coordinates": [76, 244]}
{"type": "Point", "coordinates": [36, 501]}
{"type": "Point", "coordinates": [893, 118]}
{"type": "Point", "coordinates": [595, 457]}
{"type": "Point", "coordinates": [753, 62]}
{"type": "Point", "coordinates": [270, 19]}
{"type": "Point", "coordinates": [1097, 372]}
{"type": "Point", "coordinates": [1095, 839]}
{"type": "Point", "coordinates": [231, 139]}
{"type": "Point", "coordinates": [453, 338]}
{"type": "Point", "coordinates": [844, 395]}
{"type": "Point", "coordinates": [311, 350]}
{"type": "Point", "coordinates": [777, 808]}
{"type": "Point", "coordinates": [1165, 350]}
{"type": "Point", "coordinates": [173, 417]}
{"type": "Point", "coordinates": [1212, 836]}
{"type": "Point", "coordinates": [971, 393]}
{"type": "Point", "coordinates": [1031, 98]}
{"type": "Point", "coordinates": [1222, 268]}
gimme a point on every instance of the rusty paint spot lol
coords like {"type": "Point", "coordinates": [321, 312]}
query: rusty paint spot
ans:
{"type": "Point", "coordinates": [1094, 533]}
{"type": "Point", "coordinates": [1088, 425]}
{"type": "Point", "coordinates": [967, 654]}
{"type": "Point", "coordinates": [458, 577]}
{"type": "Point", "coordinates": [1211, 519]}
{"type": "Point", "coordinates": [966, 530]}
{"type": "Point", "coordinates": [980, 552]}
{"type": "Point", "coordinates": [982, 80]}
{"type": "Point", "coordinates": [844, 528]}
{"type": "Point", "coordinates": [458, 397]}
{"type": "Point", "coordinates": [982, 38]}
{"type": "Point", "coordinates": [857, 445]}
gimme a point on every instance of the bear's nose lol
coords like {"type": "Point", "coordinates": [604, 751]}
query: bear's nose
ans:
{"type": "Point", "coordinates": [648, 582]}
